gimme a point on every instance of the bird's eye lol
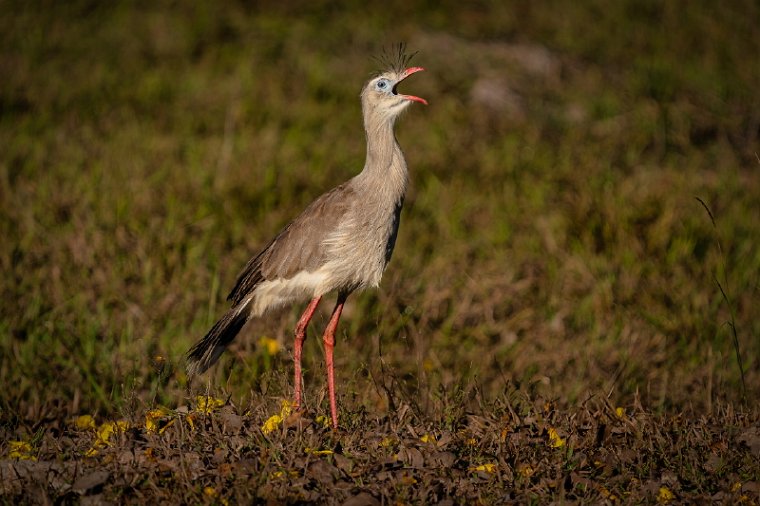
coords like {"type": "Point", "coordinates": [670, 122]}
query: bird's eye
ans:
{"type": "Point", "coordinates": [382, 84]}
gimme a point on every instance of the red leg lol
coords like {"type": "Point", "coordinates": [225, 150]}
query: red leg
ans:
{"type": "Point", "coordinates": [300, 332]}
{"type": "Point", "coordinates": [329, 340]}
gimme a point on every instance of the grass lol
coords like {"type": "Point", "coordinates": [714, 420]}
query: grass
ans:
{"type": "Point", "coordinates": [554, 244]}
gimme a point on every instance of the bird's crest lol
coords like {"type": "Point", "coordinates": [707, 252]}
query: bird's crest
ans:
{"type": "Point", "coordinates": [395, 58]}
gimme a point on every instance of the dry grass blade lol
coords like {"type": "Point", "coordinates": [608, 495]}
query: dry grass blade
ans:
{"type": "Point", "coordinates": [729, 304]}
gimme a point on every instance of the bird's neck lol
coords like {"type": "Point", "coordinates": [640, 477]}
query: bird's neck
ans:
{"type": "Point", "coordinates": [385, 168]}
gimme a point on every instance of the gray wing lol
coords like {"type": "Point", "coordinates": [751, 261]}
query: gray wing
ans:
{"type": "Point", "coordinates": [298, 246]}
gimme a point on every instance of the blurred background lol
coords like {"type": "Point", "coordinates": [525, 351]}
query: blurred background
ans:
{"type": "Point", "coordinates": [582, 221]}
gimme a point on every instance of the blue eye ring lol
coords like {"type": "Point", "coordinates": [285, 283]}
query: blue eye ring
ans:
{"type": "Point", "coordinates": [382, 85]}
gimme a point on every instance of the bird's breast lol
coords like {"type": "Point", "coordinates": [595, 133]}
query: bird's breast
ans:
{"type": "Point", "coordinates": [362, 245]}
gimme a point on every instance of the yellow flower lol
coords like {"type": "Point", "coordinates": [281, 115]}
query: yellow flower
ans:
{"type": "Point", "coordinates": [269, 344]}
{"type": "Point", "coordinates": [84, 422]}
{"type": "Point", "coordinates": [20, 450]}
{"type": "Point", "coordinates": [275, 420]}
{"type": "Point", "coordinates": [665, 495]}
{"type": "Point", "coordinates": [156, 420]}
{"type": "Point", "coordinates": [151, 420]}
{"type": "Point", "coordinates": [206, 404]}
{"type": "Point", "coordinates": [604, 492]}
{"type": "Point", "coordinates": [107, 429]}
{"type": "Point", "coordinates": [607, 494]}
{"type": "Point", "coordinates": [408, 480]}
{"type": "Point", "coordinates": [211, 492]}
{"type": "Point", "coordinates": [271, 424]}
{"type": "Point", "coordinates": [104, 433]}
{"type": "Point", "coordinates": [620, 412]}
{"type": "Point", "coordinates": [324, 421]}
{"type": "Point", "coordinates": [282, 474]}
{"type": "Point", "coordinates": [312, 451]}
{"type": "Point", "coordinates": [736, 486]}
{"type": "Point", "coordinates": [525, 470]}
{"type": "Point", "coordinates": [486, 468]}
{"type": "Point", "coordinates": [554, 440]}
{"type": "Point", "coordinates": [427, 438]}
{"type": "Point", "coordinates": [191, 418]}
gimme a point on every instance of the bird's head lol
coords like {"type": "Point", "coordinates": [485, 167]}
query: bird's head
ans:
{"type": "Point", "coordinates": [381, 99]}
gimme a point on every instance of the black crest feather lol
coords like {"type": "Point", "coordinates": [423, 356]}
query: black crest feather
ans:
{"type": "Point", "coordinates": [395, 58]}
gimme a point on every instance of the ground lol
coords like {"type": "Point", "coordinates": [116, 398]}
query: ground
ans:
{"type": "Point", "coordinates": [569, 315]}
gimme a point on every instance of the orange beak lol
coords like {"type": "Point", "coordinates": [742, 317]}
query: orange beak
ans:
{"type": "Point", "coordinates": [404, 75]}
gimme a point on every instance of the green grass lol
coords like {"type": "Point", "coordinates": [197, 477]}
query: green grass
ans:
{"type": "Point", "coordinates": [146, 160]}
{"type": "Point", "coordinates": [553, 243]}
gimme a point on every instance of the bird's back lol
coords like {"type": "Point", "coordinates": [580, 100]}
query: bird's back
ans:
{"type": "Point", "coordinates": [299, 246]}
{"type": "Point", "coordinates": [348, 232]}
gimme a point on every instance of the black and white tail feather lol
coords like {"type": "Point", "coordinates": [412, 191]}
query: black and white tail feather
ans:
{"type": "Point", "coordinates": [207, 351]}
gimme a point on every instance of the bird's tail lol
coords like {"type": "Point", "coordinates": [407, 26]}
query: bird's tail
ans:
{"type": "Point", "coordinates": [205, 352]}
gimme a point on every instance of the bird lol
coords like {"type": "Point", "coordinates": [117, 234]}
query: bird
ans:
{"type": "Point", "coordinates": [341, 243]}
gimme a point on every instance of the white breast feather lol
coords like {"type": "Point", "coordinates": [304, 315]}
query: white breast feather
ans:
{"type": "Point", "coordinates": [304, 285]}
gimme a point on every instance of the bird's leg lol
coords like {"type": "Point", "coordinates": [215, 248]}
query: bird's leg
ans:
{"type": "Point", "coordinates": [300, 333]}
{"type": "Point", "coordinates": [329, 340]}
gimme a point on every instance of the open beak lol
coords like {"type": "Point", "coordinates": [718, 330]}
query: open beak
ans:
{"type": "Point", "coordinates": [404, 75]}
